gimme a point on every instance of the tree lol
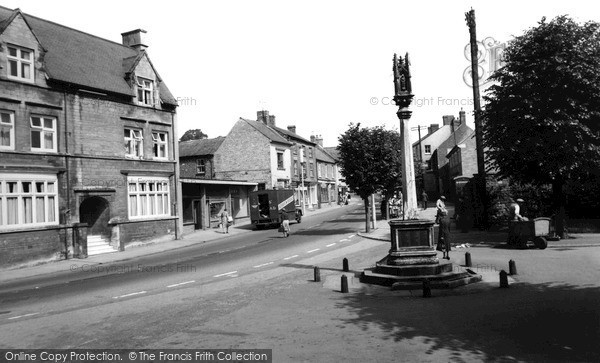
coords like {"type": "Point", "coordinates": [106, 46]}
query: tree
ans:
{"type": "Point", "coordinates": [542, 117]}
{"type": "Point", "coordinates": [370, 161]}
{"type": "Point", "coordinates": [195, 134]}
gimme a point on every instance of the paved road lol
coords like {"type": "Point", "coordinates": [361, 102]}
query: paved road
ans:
{"type": "Point", "coordinates": [160, 277]}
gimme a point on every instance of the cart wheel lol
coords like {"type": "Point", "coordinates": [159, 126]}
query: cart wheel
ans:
{"type": "Point", "coordinates": [299, 218]}
{"type": "Point", "coordinates": [540, 242]}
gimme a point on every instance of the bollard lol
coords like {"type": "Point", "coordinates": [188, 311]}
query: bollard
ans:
{"type": "Point", "coordinates": [426, 288]}
{"type": "Point", "coordinates": [503, 279]}
{"type": "Point", "coordinates": [468, 259]}
{"type": "Point", "coordinates": [345, 265]}
{"type": "Point", "coordinates": [344, 284]}
{"type": "Point", "coordinates": [512, 267]}
{"type": "Point", "coordinates": [317, 274]}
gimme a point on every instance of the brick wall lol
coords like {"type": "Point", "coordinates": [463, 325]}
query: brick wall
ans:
{"type": "Point", "coordinates": [187, 166]}
{"type": "Point", "coordinates": [146, 231]}
{"type": "Point", "coordinates": [22, 246]}
{"type": "Point", "coordinates": [244, 155]}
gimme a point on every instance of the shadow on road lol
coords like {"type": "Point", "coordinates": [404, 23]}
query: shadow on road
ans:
{"type": "Point", "coordinates": [539, 322]}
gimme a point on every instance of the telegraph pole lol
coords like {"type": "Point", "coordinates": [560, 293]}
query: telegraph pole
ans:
{"type": "Point", "coordinates": [470, 18]}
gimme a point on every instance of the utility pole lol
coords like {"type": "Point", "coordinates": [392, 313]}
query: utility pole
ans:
{"type": "Point", "coordinates": [470, 18]}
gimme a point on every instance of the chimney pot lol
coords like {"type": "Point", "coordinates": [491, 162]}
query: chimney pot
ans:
{"type": "Point", "coordinates": [292, 128]}
{"type": "Point", "coordinates": [271, 120]}
{"type": "Point", "coordinates": [262, 116]}
{"type": "Point", "coordinates": [135, 39]}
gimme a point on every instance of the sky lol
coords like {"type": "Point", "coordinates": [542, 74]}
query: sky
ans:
{"type": "Point", "coordinates": [317, 65]}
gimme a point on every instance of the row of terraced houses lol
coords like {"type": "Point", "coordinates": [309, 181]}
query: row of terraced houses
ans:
{"type": "Point", "coordinates": [89, 149]}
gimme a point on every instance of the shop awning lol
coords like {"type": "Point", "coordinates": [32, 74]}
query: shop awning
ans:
{"type": "Point", "coordinates": [217, 182]}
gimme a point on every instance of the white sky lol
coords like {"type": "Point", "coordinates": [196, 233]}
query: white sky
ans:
{"type": "Point", "coordinates": [313, 64]}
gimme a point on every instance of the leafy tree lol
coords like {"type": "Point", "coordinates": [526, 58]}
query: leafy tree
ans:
{"type": "Point", "coordinates": [370, 161]}
{"type": "Point", "coordinates": [542, 117]}
{"type": "Point", "coordinates": [195, 134]}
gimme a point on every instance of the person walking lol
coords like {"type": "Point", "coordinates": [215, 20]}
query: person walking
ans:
{"type": "Point", "coordinates": [440, 205]}
{"type": "Point", "coordinates": [285, 223]}
{"type": "Point", "coordinates": [425, 199]}
{"type": "Point", "coordinates": [225, 221]}
{"type": "Point", "coordinates": [443, 243]}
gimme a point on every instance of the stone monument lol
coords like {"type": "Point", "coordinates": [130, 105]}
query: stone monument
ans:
{"type": "Point", "coordinates": [412, 257]}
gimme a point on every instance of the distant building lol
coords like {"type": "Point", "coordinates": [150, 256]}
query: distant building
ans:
{"type": "Point", "coordinates": [87, 135]}
{"type": "Point", "coordinates": [326, 174]}
{"type": "Point", "coordinates": [204, 196]}
{"type": "Point", "coordinates": [254, 152]}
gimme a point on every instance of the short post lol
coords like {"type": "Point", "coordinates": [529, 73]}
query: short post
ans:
{"type": "Point", "coordinates": [344, 284]}
{"type": "Point", "coordinates": [345, 265]}
{"type": "Point", "coordinates": [512, 267]}
{"type": "Point", "coordinates": [503, 279]}
{"type": "Point", "coordinates": [426, 288]}
{"type": "Point", "coordinates": [468, 259]}
{"type": "Point", "coordinates": [317, 274]}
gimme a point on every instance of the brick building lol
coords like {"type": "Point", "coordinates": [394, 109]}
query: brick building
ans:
{"type": "Point", "coordinates": [254, 152]}
{"type": "Point", "coordinates": [204, 196]}
{"type": "Point", "coordinates": [326, 174]}
{"type": "Point", "coordinates": [87, 136]}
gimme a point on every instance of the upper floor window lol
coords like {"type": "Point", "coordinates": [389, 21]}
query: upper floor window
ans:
{"type": "Point", "coordinates": [7, 130]}
{"type": "Point", "coordinates": [280, 164]}
{"type": "Point", "coordinates": [312, 170]}
{"type": "Point", "coordinates": [427, 149]}
{"type": "Point", "coordinates": [200, 166]}
{"type": "Point", "coordinates": [145, 91]}
{"type": "Point", "coordinates": [159, 145]}
{"type": "Point", "coordinates": [310, 152]}
{"type": "Point", "coordinates": [295, 167]}
{"type": "Point", "coordinates": [20, 63]}
{"type": "Point", "coordinates": [43, 133]}
{"type": "Point", "coordinates": [134, 145]}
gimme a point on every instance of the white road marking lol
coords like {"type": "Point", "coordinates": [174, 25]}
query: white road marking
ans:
{"type": "Point", "coordinates": [22, 316]}
{"type": "Point", "coordinates": [344, 239]}
{"type": "Point", "coordinates": [226, 273]}
{"type": "Point", "coordinates": [263, 264]}
{"type": "Point", "coordinates": [182, 283]}
{"type": "Point", "coordinates": [289, 258]}
{"type": "Point", "coordinates": [331, 244]}
{"type": "Point", "coordinates": [132, 294]}
{"type": "Point", "coordinates": [352, 235]}
{"type": "Point", "coordinates": [311, 251]}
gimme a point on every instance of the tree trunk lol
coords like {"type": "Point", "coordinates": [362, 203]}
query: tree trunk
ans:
{"type": "Point", "coordinates": [559, 207]}
{"type": "Point", "coordinates": [367, 222]}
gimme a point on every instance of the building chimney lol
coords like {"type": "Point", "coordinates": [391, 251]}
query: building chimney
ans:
{"type": "Point", "coordinates": [292, 128]}
{"type": "Point", "coordinates": [462, 118]}
{"type": "Point", "coordinates": [135, 39]}
{"type": "Point", "coordinates": [271, 120]}
{"type": "Point", "coordinates": [262, 116]}
{"type": "Point", "coordinates": [448, 119]}
{"type": "Point", "coordinates": [432, 128]}
{"type": "Point", "coordinates": [313, 138]}
{"type": "Point", "coordinates": [319, 140]}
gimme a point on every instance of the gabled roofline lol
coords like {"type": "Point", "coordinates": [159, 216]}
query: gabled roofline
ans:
{"type": "Point", "coordinates": [138, 58]}
{"type": "Point", "coordinates": [12, 17]}
{"type": "Point", "coordinates": [250, 122]}
{"type": "Point", "coordinates": [64, 26]}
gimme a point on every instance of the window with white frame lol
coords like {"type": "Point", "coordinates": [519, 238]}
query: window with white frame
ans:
{"type": "Point", "coordinates": [200, 166]}
{"type": "Point", "coordinates": [295, 167]}
{"type": "Point", "coordinates": [145, 91]}
{"type": "Point", "coordinates": [280, 164]}
{"type": "Point", "coordinates": [43, 133]}
{"type": "Point", "coordinates": [427, 149]}
{"type": "Point", "coordinates": [134, 142]}
{"type": "Point", "coordinates": [159, 145]}
{"type": "Point", "coordinates": [20, 63]}
{"type": "Point", "coordinates": [28, 200]}
{"type": "Point", "coordinates": [7, 130]}
{"type": "Point", "coordinates": [148, 197]}
{"type": "Point", "coordinates": [312, 170]}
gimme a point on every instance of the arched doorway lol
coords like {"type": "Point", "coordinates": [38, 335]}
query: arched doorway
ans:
{"type": "Point", "coordinates": [95, 211]}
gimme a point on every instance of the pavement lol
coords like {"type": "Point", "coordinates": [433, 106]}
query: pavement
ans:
{"type": "Point", "coordinates": [135, 250]}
